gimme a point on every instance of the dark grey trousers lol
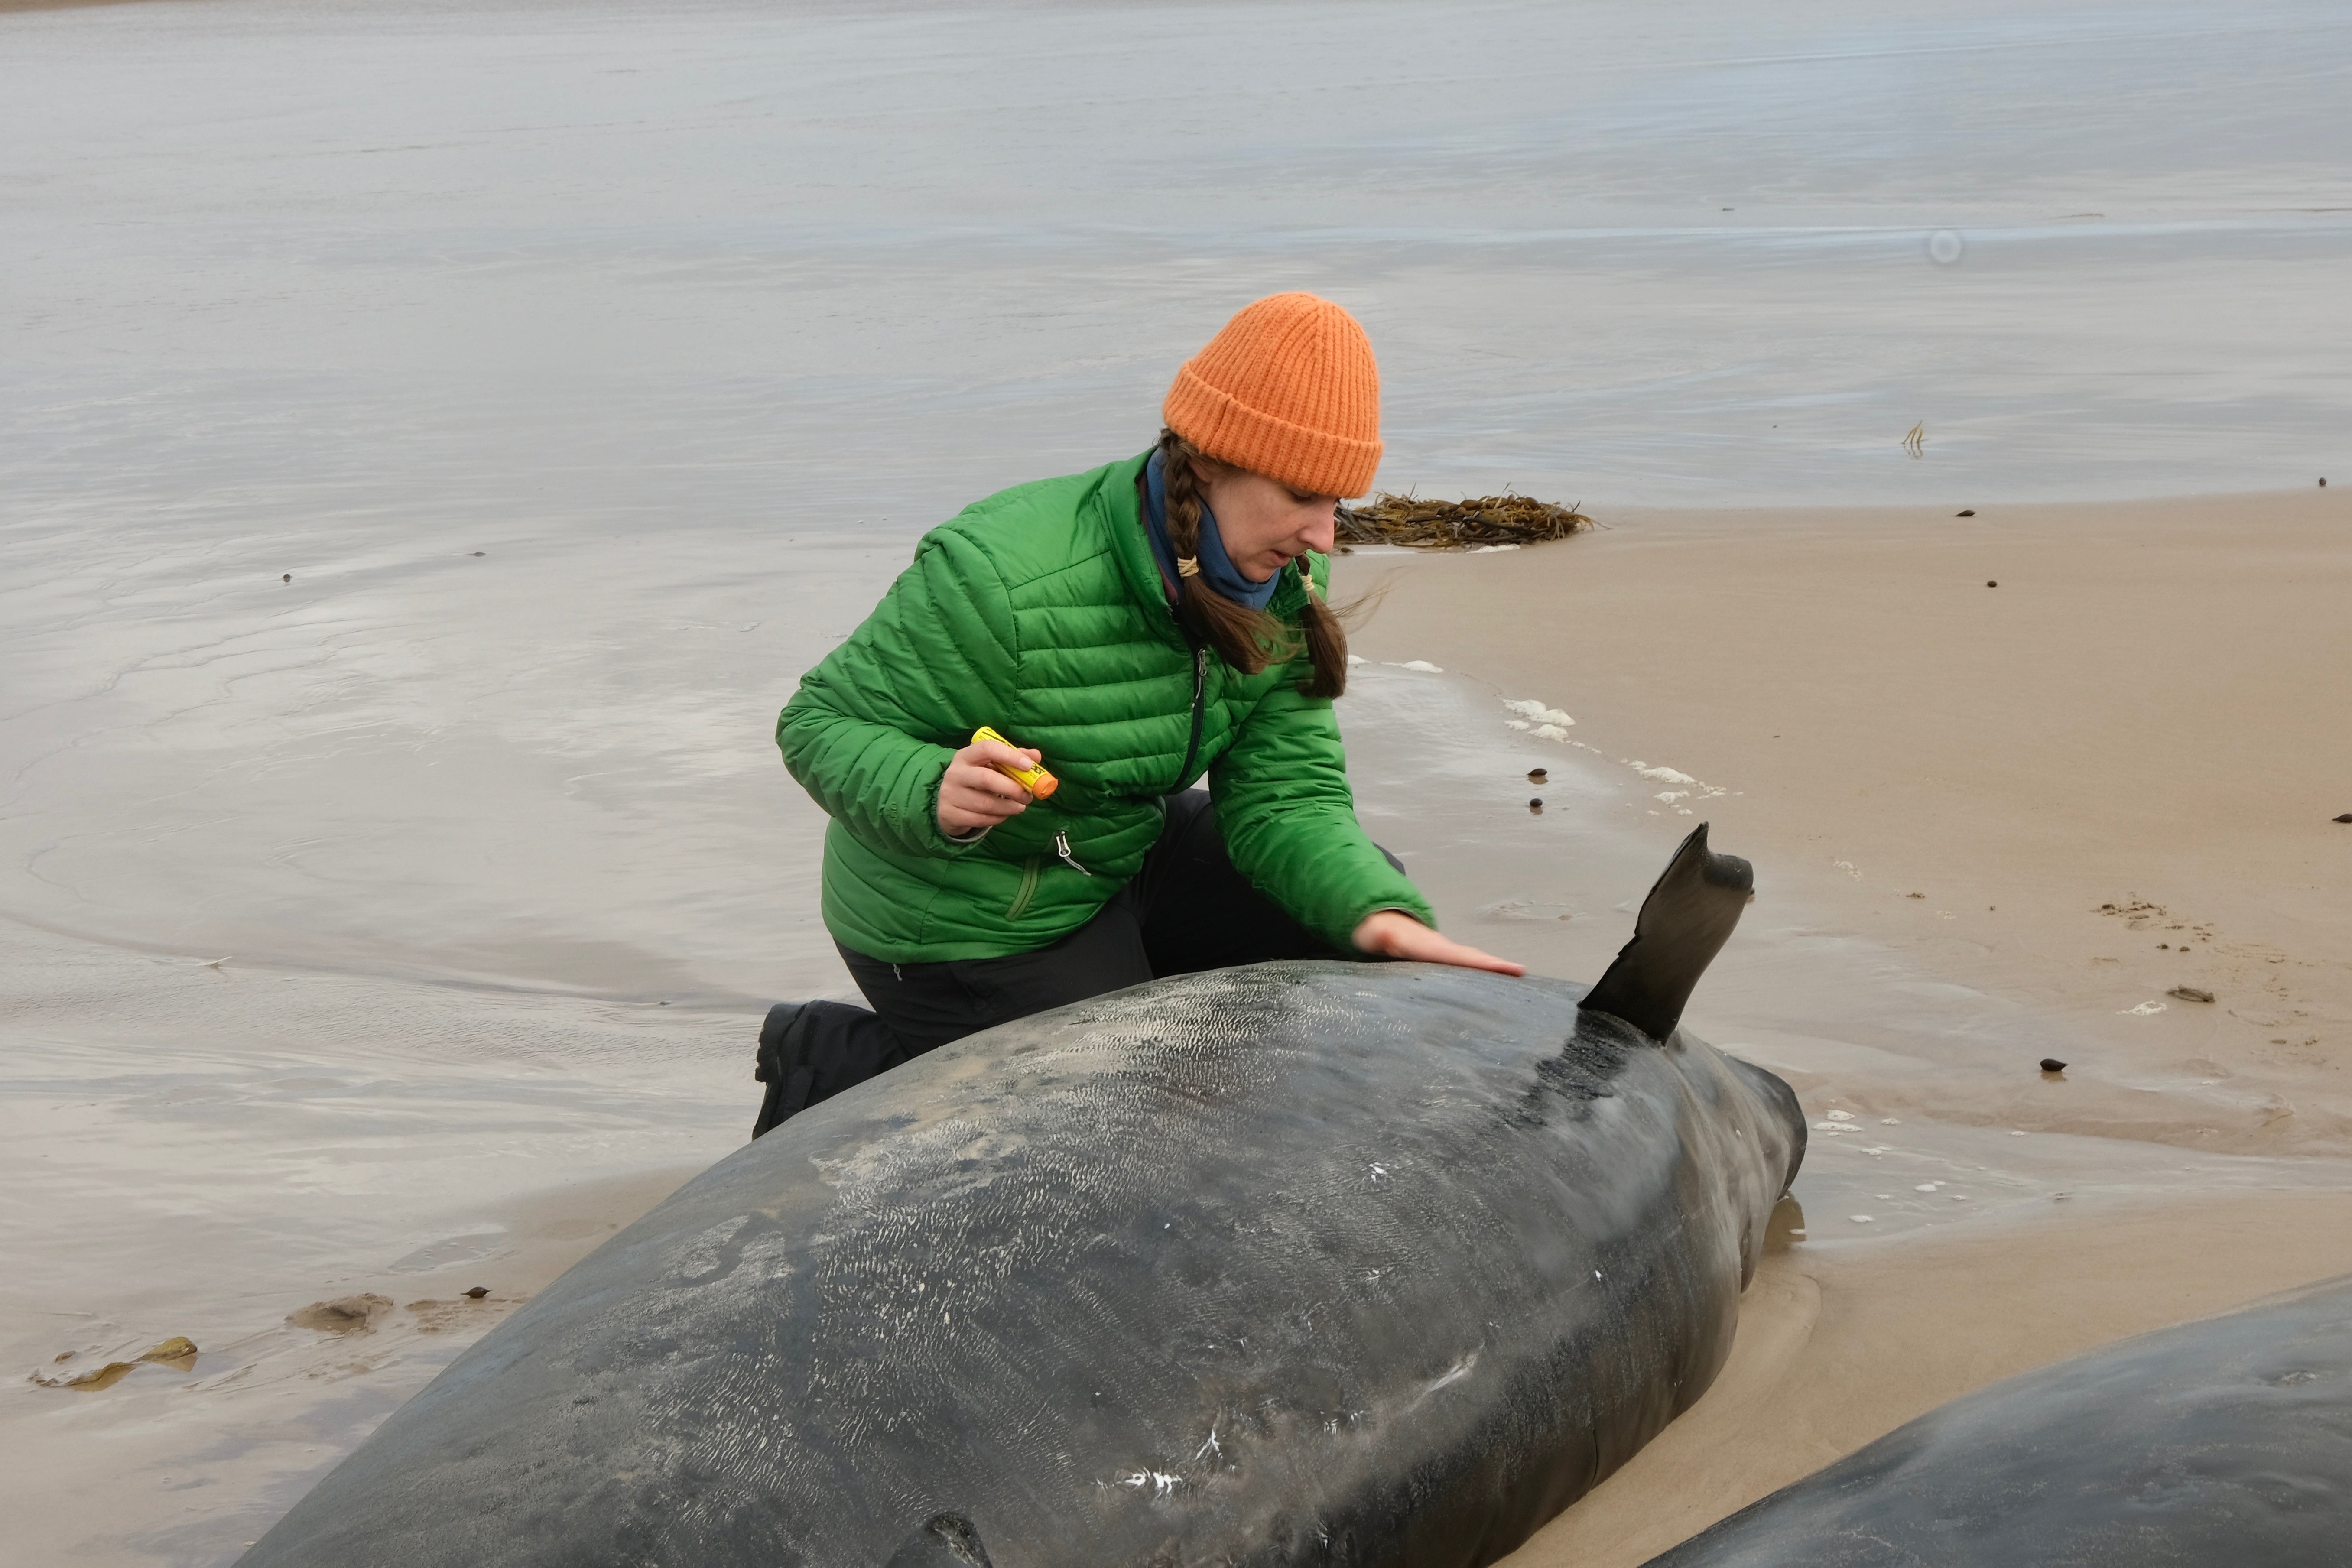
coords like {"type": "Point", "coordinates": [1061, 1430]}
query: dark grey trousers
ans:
{"type": "Point", "coordinates": [1188, 909]}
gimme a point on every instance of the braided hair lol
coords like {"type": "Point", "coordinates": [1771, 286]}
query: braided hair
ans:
{"type": "Point", "coordinates": [1245, 638]}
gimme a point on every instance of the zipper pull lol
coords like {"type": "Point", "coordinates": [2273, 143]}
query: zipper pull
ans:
{"type": "Point", "coordinates": [1062, 847]}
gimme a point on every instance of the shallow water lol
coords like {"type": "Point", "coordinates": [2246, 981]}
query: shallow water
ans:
{"type": "Point", "coordinates": [590, 368]}
{"type": "Point", "coordinates": [687, 319]}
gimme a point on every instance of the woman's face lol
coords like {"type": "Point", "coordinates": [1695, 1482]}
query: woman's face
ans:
{"type": "Point", "coordinates": [1264, 524]}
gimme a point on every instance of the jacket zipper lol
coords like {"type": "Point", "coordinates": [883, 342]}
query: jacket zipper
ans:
{"type": "Point", "coordinates": [1062, 838]}
{"type": "Point", "coordinates": [1028, 888]}
{"type": "Point", "coordinates": [1199, 690]}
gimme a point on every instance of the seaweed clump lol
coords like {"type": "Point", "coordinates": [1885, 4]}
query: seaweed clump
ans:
{"type": "Point", "coordinates": [1459, 524]}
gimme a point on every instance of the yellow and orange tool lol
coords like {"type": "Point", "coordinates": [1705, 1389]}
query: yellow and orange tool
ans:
{"type": "Point", "coordinates": [1036, 781]}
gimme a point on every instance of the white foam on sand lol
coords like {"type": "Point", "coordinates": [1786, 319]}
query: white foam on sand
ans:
{"type": "Point", "coordinates": [1536, 719]}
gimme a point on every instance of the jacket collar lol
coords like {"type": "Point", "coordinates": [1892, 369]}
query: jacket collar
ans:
{"type": "Point", "coordinates": [1121, 513]}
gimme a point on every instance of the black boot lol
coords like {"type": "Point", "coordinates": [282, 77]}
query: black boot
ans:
{"type": "Point", "coordinates": [779, 1065]}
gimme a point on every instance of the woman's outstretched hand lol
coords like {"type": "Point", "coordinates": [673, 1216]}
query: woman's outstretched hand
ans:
{"type": "Point", "coordinates": [1392, 934]}
{"type": "Point", "coordinates": [973, 796]}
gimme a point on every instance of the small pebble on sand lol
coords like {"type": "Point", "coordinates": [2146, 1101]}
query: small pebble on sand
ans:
{"type": "Point", "coordinates": [1535, 806]}
{"type": "Point", "coordinates": [1970, 513]}
{"type": "Point", "coordinates": [288, 578]}
{"type": "Point", "coordinates": [1538, 775]}
{"type": "Point", "coordinates": [2052, 1064]}
{"type": "Point", "coordinates": [2346, 817]}
{"type": "Point", "coordinates": [1992, 583]}
{"type": "Point", "coordinates": [478, 1293]}
{"type": "Point", "coordinates": [2191, 993]}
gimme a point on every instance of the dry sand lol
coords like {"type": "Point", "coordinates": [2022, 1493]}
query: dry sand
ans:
{"type": "Point", "coordinates": [2111, 774]}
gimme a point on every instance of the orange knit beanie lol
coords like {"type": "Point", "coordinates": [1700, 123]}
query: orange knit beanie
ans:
{"type": "Point", "coordinates": [1289, 389]}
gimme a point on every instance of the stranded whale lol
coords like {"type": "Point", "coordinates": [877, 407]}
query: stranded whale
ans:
{"type": "Point", "coordinates": [2208, 1445]}
{"type": "Point", "coordinates": [1303, 1262]}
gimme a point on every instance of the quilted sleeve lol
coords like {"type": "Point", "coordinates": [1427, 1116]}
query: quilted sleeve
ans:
{"type": "Point", "coordinates": [870, 730]}
{"type": "Point", "coordinates": [1289, 820]}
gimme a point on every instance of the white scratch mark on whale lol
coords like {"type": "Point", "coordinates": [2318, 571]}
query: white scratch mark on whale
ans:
{"type": "Point", "coordinates": [1452, 1375]}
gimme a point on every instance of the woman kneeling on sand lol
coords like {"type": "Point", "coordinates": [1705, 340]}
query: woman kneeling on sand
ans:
{"type": "Point", "coordinates": [1135, 628]}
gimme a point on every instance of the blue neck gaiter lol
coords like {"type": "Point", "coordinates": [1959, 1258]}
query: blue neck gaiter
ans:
{"type": "Point", "coordinates": [1217, 568]}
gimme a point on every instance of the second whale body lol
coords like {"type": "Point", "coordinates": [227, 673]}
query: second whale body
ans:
{"type": "Point", "coordinates": [2213, 1444]}
{"type": "Point", "coordinates": [1301, 1263]}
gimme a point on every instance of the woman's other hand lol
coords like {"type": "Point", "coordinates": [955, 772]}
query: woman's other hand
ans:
{"type": "Point", "coordinates": [973, 796]}
{"type": "Point", "coordinates": [1392, 934]}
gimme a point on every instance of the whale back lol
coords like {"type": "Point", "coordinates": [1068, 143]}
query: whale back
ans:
{"type": "Point", "coordinates": [1331, 1263]}
{"type": "Point", "coordinates": [1320, 1262]}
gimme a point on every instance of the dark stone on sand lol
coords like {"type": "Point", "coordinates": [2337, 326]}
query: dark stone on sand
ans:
{"type": "Point", "coordinates": [2052, 1064]}
{"type": "Point", "coordinates": [1536, 804]}
{"type": "Point", "coordinates": [1538, 775]}
{"type": "Point", "coordinates": [478, 1293]}
{"type": "Point", "coordinates": [288, 578]}
{"type": "Point", "coordinates": [1970, 513]}
{"type": "Point", "coordinates": [342, 1315]}
{"type": "Point", "coordinates": [2191, 993]}
{"type": "Point", "coordinates": [1990, 584]}
{"type": "Point", "coordinates": [2346, 817]}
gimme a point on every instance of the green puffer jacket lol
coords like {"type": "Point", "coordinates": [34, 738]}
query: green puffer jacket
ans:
{"type": "Point", "coordinates": [1040, 612]}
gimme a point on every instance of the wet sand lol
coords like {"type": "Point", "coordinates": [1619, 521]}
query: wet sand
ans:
{"type": "Point", "coordinates": [212, 1149]}
{"type": "Point", "coordinates": [2110, 775]}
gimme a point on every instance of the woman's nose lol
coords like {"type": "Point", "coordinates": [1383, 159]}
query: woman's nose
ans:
{"type": "Point", "coordinates": [1321, 530]}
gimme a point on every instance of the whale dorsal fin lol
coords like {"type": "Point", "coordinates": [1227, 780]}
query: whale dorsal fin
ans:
{"type": "Point", "coordinates": [947, 1541]}
{"type": "Point", "coordinates": [1684, 923]}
